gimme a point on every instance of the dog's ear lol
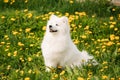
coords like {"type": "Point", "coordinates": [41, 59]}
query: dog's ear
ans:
{"type": "Point", "coordinates": [53, 16]}
{"type": "Point", "coordinates": [64, 19]}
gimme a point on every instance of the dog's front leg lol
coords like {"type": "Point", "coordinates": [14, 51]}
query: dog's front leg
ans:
{"type": "Point", "coordinates": [50, 65]}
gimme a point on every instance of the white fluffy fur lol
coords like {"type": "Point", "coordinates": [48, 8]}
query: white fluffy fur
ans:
{"type": "Point", "coordinates": [58, 48]}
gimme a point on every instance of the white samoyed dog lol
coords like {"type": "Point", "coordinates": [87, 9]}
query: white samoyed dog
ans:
{"type": "Point", "coordinates": [58, 48]}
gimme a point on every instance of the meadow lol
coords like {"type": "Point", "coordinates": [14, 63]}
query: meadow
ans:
{"type": "Point", "coordinates": [95, 27]}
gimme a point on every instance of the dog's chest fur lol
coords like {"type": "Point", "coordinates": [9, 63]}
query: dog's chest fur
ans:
{"type": "Point", "coordinates": [56, 44]}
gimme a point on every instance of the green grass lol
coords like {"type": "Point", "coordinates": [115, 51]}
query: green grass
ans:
{"type": "Point", "coordinates": [94, 27]}
{"type": "Point", "coordinates": [100, 8]}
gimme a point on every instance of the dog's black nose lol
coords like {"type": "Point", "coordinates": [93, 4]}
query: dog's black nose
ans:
{"type": "Point", "coordinates": [50, 26]}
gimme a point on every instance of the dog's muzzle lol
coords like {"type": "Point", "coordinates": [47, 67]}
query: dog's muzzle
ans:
{"type": "Point", "coordinates": [51, 30]}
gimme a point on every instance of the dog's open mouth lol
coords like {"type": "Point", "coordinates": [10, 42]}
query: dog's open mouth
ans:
{"type": "Point", "coordinates": [51, 30]}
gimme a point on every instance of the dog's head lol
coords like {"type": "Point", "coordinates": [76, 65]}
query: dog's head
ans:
{"type": "Point", "coordinates": [57, 25]}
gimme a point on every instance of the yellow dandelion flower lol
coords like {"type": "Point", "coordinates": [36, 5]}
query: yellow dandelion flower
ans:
{"type": "Point", "coordinates": [12, 1]}
{"type": "Point", "coordinates": [2, 17]}
{"type": "Point", "coordinates": [12, 19]}
{"type": "Point", "coordinates": [43, 18]}
{"type": "Point", "coordinates": [21, 59]}
{"type": "Point", "coordinates": [14, 32]}
{"type": "Point", "coordinates": [105, 67]}
{"type": "Point", "coordinates": [105, 23]}
{"type": "Point", "coordinates": [97, 47]}
{"type": "Point", "coordinates": [115, 29]}
{"type": "Point", "coordinates": [103, 46]}
{"type": "Point", "coordinates": [8, 67]}
{"type": "Point", "coordinates": [82, 13]}
{"type": "Point", "coordinates": [92, 50]}
{"type": "Point", "coordinates": [73, 25]}
{"type": "Point", "coordinates": [112, 79]}
{"type": "Point", "coordinates": [104, 77]}
{"type": "Point", "coordinates": [20, 44]}
{"type": "Point", "coordinates": [86, 44]}
{"type": "Point", "coordinates": [20, 30]}
{"type": "Point", "coordinates": [103, 50]}
{"type": "Point", "coordinates": [44, 28]}
{"type": "Point", "coordinates": [98, 40]}
{"type": "Point", "coordinates": [6, 1]}
{"type": "Point", "coordinates": [27, 30]}
{"type": "Point", "coordinates": [8, 43]}
{"type": "Point", "coordinates": [111, 18]}
{"type": "Point", "coordinates": [26, 1]}
{"type": "Point", "coordinates": [79, 26]}
{"type": "Point", "coordinates": [113, 23]}
{"type": "Point", "coordinates": [80, 78]}
{"type": "Point", "coordinates": [71, 2]}
{"type": "Point", "coordinates": [17, 70]}
{"type": "Point", "coordinates": [31, 45]}
{"type": "Point", "coordinates": [86, 28]}
{"type": "Point", "coordinates": [113, 9]}
{"type": "Point", "coordinates": [29, 59]}
{"type": "Point", "coordinates": [31, 33]}
{"type": "Point", "coordinates": [118, 43]}
{"type": "Point", "coordinates": [93, 16]}
{"type": "Point", "coordinates": [50, 13]}
{"type": "Point", "coordinates": [76, 41]}
{"type": "Point", "coordinates": [2, 43]}
{"type": "Point", "coordinates": [84, 36]}
{"type": "Point", "coordinates": [111, 26]}
{"type": "Point", "coordinates": [110, 43]}
{"type": "Point", "coordinates": [88, 32]}
{"type": "Point", "coordinates": [57, 12]}
{"type": "Point", "coordinates": [97, 52]}
{"type": "Point", "coordinates": [5, 36]}
{"type": "Point", "coordinates": [112, 37]}
{"type": "Point", "coordinates": [30, 71]}
{"type": "Point", "coordinates": [56, 76]}
{"type": "Point", "coordinates": [62, 73]}
{"type": "Point", "coordinates": [88, 78]}
{"type": "Point", "coordinates": [76, 12]}
{"type": "Point", "coordinates": [101, 70]}
{"type": "Point", "coordinates": [67, 14]}
{"type": "Point", "coordinates": [76, 17]}
{"type": "Point", "coordinates": [46, 15]}
{"type": "Point", "coordinates": [118, 18]}
{"type": "Point", "coordinates": [15, 53]}
{"type": "Point", "coordinates": [119, 15]}
{"type": "Point", "coordinates": [89, 65]}
{"type": "Point", "coordinates": [104, 40]}
{"type": "Point", "coordinates": [22, 72]}
{"type": "Point", "coordinates": [6, 50]}
{"type": "Point", "coordinates": [117, 37]}
{"type": "Point", "coordinates": [26, 10]}
{"type": "Point", "coordinates": [105, 62]}
{"type": "Point", "coordinates": [37, 17]}
{"type": "Point", "coordinates": [53, 78]}
{"type": "Point", "coordinates": [9, 54]}
{"type": "Point", "coordinates": [118, 78]}
{"type": "Point", "coordinates": [29, 15]}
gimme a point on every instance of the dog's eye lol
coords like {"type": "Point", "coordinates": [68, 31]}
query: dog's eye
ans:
{"type": "Point", "coordinates": [56, 24]}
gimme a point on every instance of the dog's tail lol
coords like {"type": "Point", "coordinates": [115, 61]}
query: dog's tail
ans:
{"type": "Point", "coordinates": [88, 58]}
